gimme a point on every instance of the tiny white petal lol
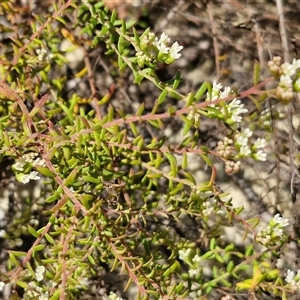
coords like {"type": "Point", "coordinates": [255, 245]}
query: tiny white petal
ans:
{"type": "Point", "coordinates": [245, 150]}
{"type": "Point", "coordinates": [174, 50]}
{"type": "Point", "coordinates": [260, 143]}
{"type": "Point", "coordinates": [193, 272]}
{"type": "Point", "coordinates": [289, 276]}
{"type": "Point", "coordinates": [2, 284]}
{"type": "Point", "coordinates": [217, 86]}
{"type": "Point", "coordinates": [260, 155]}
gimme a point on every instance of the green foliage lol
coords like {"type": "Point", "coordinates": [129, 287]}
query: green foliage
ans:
{"type": "Point", "coordinates": [110, 194]}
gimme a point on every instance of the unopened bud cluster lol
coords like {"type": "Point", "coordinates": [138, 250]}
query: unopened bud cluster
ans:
{"type": "Point", "coordinates": [153, 50]}
{"type": "Point", "coordinates": [273, 233]}
{"type": "Point", "coordinates": [195, 117]}
{"type": "Point", "coordinates": [232, 167]}
{"type": "Point", "coordinates": [225, 148]}
{"type": "Point", "coordinates": [289, 77]}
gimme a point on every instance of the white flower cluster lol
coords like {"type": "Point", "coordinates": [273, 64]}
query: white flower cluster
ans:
{"type": "Point", "coordinates": [153, 49]}
{"type": "Point", "coordinates": [195, 117]}
{"type": "Point", "coordinates": [43, 55]}
{"type": "Point", "coordinates": [228, 112]}
{"type": "Point", "coordinates": [246, 149]}
{"type": "Point", "coordinates": [208, 204]}
{"type": "Point", "coordinates": [194, 262]}
{"type": "Point", "coordinates": [240, 147]}
{"type": "Point", "coordinates": [39, 273]}
{"type": "Point", "coordinates": [25, 178]}
{"type": "Point", "coordinates": [273, 233]}
{"type": "Point", "coordinates": [33, 291]}
{"type": "Point", "coordinates": [25, 164]}
{"type": "Point", "coordinates": [114, 296]}
{"type": "Point", "coordinates": [163, 44]}
{"type": "Point", "coordinates": [29, 158]}
{"type": "Point", "coordinates": [289, 79]}
{"type": "Point", "coordinates": [208, 207]}
{"type": "Point", "coordinates": [293, 280]}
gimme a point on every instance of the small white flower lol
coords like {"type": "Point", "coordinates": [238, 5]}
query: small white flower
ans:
{"type": "Point", "coordinates": [288, 69]}
{"type": "Point", "coordinates": [277, 219]}
{"type": "Point", "coordinates": [242, 138]}
{"type": "Point", "coordinates": [215, 92]}
{"type": "Point", "coordinates": [247, 132]}
{"type": "Point", "coordinates": [260, 143]}
{"type": "Point", "coordinates": [39, 162]}
{"type": "Point", "coordinates": [40, 269]}
{"type": "Point", "coordinates": [235, 108]}
{"type": "Point", "coordinates": [193, 272]}
{"type": "Point", "coordinates": [2, 284]}
{"type": "Point", "coordinates": [196, 259]}
{"type": "Point", "coordinates": [164, 39]}
{"type": "Point", "coordinates": [44, 296]}
{"type": "Point", "coordinates": [286, 80]}
{"type": "Point", "coordinates": [39, 273]}
{"type": "Point", "coordinates": [174, 50]}
{"type": "Point", "coordinates": [235, 103]}
{"type": "Point", "coordinates": [241, 109]}
{"type": "Point", "coordinates": [208, 208]}
{"type": "Point", "coordinates": [296, 64]}
{"type": "Point", "coordinates": [281, 221]}
{"type": "Point", "coordinates": [245, 150]}
{"type": "Point", "coordinates": [19, 165]}
{"type": "Point", "coordinates": [162, 43]}
{"type": "Point", "coordinates": [29, 157]}
{"type": "Point", "coordinates": [289, 276]}
{"type": "Point", "coordinates": [25, 178]}
{"type": "Point", "coordinates": [260, 155]}
{"type": "Point", "coordinates": [34, 175]}
{"type": "Point", "coordinates": [225, 93]}
{"type": "Point", "coordinates": [184, 254]}
{"type": "Point", "coordinates": [43, 55]}
{"type": "Point", "coordinates": [163, 48]}
{"type": "Point", "coordinates": [217, 86]}
{"type": "Point", "coordinates": [114, 296]}
{"type": "Point", "coordinates": [236, 117]}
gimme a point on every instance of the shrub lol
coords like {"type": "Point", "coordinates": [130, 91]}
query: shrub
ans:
{"type": "Point", "coordinates": [115, 194]}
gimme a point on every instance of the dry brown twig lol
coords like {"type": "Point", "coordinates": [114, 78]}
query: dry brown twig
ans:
{"type": "Point", "coordinates": [286, 54]}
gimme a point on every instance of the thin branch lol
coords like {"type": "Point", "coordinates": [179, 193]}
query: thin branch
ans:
{"type": "Point", "coordinates": [285, 48]}
{"type": "Point", "coordinates": [92, 83]}
{"type": "Point", "coordinates": [260, 49]}
{"type": "Point", "coordinates": [215, 39]}
{"type": "Point", "coordinates": [283, 35]}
